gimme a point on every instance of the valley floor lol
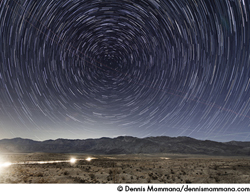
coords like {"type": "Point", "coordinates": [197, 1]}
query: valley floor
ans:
{"type": "Point", "coordinates": [159, 168]}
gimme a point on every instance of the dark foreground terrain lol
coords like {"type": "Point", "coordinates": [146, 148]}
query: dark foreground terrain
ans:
{"type": "Point", "coordinates": [161, 168]}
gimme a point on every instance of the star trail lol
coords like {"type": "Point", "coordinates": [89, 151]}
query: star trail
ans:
{"type": "Point", "coordinates": [103, 68]}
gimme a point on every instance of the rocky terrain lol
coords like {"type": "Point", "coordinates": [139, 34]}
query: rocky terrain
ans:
{"type": "Point", "coordinates": [127, 145]}
{"type": "Point", "coordinates": [157, 168]}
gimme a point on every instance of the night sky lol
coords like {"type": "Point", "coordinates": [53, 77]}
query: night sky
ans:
{"type": "Point", "coordinates": [81, 69]}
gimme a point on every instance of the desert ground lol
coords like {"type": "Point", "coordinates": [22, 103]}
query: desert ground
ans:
{"type": "Point", "coordinates": [141, 168]}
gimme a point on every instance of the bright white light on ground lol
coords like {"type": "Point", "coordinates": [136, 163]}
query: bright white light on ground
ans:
{"type": "Point", "coordinates": [7, 164]}
{"type": "Point", "coordinates": [72, 160]}
{"type": "Point", "coordinates": [89, 159]}
{"type": "Point", "coordinates": [164, 158]}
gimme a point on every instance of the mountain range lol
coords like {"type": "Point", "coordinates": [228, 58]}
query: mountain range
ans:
{"type": "Point", "coordinates": [127, 145]}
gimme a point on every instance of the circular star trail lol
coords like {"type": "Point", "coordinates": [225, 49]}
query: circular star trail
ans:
{"type": "Point", "coordinates": [81, 68]}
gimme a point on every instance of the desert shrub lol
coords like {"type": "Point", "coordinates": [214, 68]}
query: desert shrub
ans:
{"type": "Point", "coordinates": [66, 173]}
{"type": "Point", "coordinates": [25, 180]}
{"type": "Point", "coordinates": [188, 181]}
{"type": "Point", "coordinates": [59, 166]}
{"type": "Point", "coordinates": [88, 168]}
{"type": "Point", "coordinates": [78, 180]}
{"type": "Point", "coordinates": [109, 178]}
{"type": "Point", "coordinates": [150, 174]}
{"type": "Point", "coordinates": [154, 177]}
{"type": "Point", "coordinates": [217, 180]}
{"type": "Point", "coordinates": [39, 175]}
{"type": "Point", "coordinates": [173, 178]}
{"type": "Point", "coordinates": [114, 173]}
{"type": "Point", "coordinates": [92, 176]}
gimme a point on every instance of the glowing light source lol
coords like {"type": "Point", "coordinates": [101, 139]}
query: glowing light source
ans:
{"type": "Point", "coordinates": [89, 159]}
{"type": "Point", "coordinates": [6, 164]}
{"type": "Point", "coordinates": [72, 160]}
{"type": "Point", "coordinates": [165, 158]}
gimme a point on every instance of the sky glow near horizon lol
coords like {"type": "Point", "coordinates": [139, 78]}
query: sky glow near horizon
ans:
{"type": "Point", "coordinates": [82, 69]}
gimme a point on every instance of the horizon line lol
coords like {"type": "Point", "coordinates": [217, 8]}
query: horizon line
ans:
{"type": "Point", "coordinates": [122, 136]}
